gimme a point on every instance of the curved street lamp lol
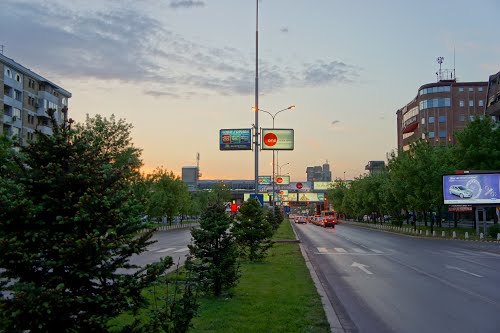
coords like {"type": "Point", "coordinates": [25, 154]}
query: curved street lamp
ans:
{"type": "Point", "coordinates": [273, 116]}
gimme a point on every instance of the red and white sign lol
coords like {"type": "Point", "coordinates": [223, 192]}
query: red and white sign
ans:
{"type": "Point", "coordinates": [277, 139]}
{"type": "Point", "coordinates": [299, 185]}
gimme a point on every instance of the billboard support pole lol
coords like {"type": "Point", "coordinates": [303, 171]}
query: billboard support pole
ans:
{"type": "Point", "coordinates": [256, 142]}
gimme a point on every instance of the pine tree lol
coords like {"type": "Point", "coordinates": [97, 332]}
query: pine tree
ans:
{"type": "Point", "coordinates": [68, 223]}
{"type": "Point", "coordinates": [214, 246]}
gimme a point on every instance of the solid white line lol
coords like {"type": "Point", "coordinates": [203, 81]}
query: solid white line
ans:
{"type": "Point", "coordinates": [341, 250]}
{"type": "Point", "coordinates": [182, 250]}
{"type": "Point", "coordinates": [355, 249]}
{"type": "Point", "coordinates": [166, 250]}
{"type": "Point", "coordinates": [490, 254]}
{"type": "Point", "coordinates": [322, 249]}
{"type": "Point", "coordinates": [463, 270]}
{"type": "Point", "coordinates": [376, 251]}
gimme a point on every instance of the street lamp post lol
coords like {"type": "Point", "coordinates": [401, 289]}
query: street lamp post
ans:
{"type": "Point", "coordinates": [273, 116]}
{"type": "Point", "coordinates": [256, 142]}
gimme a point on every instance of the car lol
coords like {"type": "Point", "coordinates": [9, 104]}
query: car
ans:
{"type": "Point", "coordinates": [302, 219]}
{"type": "Point", "coordinates": [460, 191]}
{"type": "Point", "coordinates": [329, 221]}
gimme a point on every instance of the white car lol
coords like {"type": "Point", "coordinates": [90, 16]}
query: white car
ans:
{"type": "Point", "coordinates": [460, 191]}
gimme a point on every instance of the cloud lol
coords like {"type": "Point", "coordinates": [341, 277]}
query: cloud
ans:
{"type": "Point", "coordinates": [284, 30]}
{"type": "Point", "coordinates": [186, 4]}
{"type": "Point", "coordinates": [334, 122]}
{"type": "Point", "coordinates": [126, 44]}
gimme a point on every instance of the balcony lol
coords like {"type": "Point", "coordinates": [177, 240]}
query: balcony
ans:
{"type": "Point", "coordinates": [45, 130]}
{"type": "Point", "coordinates": [410, 125]}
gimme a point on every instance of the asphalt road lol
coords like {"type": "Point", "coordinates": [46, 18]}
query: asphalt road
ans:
{"type": "Point", "coordinates": [385, 282]}
{"type": "Point", "coordinates": [171, 243]}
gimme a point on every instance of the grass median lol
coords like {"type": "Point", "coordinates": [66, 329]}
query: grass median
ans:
{"type": "Point", "coordinates": [276, 294]}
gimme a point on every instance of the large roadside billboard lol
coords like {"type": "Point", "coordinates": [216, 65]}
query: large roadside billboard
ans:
{"type": "Point", "coordinates": [277, 139]}
{"type": "Point", "coordinates": [235, 139]}
{"type": "Point", "coordinates": [265, 180]}
{"type": "Point", "coordinates": [472, 189]}
{"type": "Point", "coordinates": [283, 180]}
{"type": "Point", "coordinates": [323, 185]}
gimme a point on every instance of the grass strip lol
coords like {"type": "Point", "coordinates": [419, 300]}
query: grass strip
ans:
{"type": "Point", "coordinates": [275, 295]}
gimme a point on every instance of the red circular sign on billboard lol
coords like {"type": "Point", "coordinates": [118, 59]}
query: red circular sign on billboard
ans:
{"type": "Point", "coordinates": [270, 139]}
{"type": "Point", "coordinates": [279, 180]}
{"type": "Point", "coordinates": [299, 185]}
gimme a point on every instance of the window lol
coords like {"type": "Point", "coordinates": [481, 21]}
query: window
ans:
{"type": "Point", "coordinates": [480, 89]}
{"type": "Point", "coordinates": [442, 134]}
{"type": "Point", "coordinates": [423, 121]}
{"type": "Point", "coordinates": [442, 119]}
{"type": "Point", "coordinates": [7, 72]}
{"type": "Point", "coordinates": [471, 89]}
{"type": "Point", "coordinates": [461, 89]}
{"type": "Point", "coordinates": [18, 95]}
{"type": "Point", "coordinates": [481, 102]}
{"type": "Point", "coordinates": [472, 118]}
{"type": "Point", "coordinates": [431, 120]}
{"type": "Point", "coordinates": [462, 104]}
{"type": "Point", "coordinates": [461, 117]}
{"type": "Point", "coordinates": [431, 135]}
{"type": "Point", "coordinates": [18, 78]}
{"type": "Point", "coordinates": [471, 102]}
{"type": "Point", "coordinates": [16, 113]}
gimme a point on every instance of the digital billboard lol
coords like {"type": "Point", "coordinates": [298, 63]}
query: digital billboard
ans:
{"type": "Point", "coordinates": [277, 139]}
{"type": "Point", "coordinates": [235, 139]}
{"type": "Point", "coordinates": [470, 189]}
{"type": "Point", "coordinates": [265, 180]}
{"type": "Point", "coordinates": [283, 180]}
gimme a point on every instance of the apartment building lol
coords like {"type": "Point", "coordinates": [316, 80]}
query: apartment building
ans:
{"type": "Point", "coordinates": [24, 101]}
{"type": "Point", "coordinates": [493, 97]}
{"type": "Point", "coordinates": [439, 110]}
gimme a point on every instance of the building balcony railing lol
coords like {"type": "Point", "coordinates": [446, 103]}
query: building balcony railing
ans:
{"type": "Point", "coordinates": [493, 109]}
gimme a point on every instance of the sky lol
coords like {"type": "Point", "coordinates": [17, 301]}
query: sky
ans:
{"type": "Point", "coordinates": [181, 70]}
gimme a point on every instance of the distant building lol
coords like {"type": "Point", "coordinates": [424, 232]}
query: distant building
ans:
{"type": "Point", "coordinates": [439, 110]}
{"type": "Point", "coordinates": [375, 166]}
{"type": "Point", "coordinates": [24, 101]}
{"type": "Point", "coordinates": [493, 97]}
{"type": "Point", "coordinates": [190, 176]}
{"type": "Point", "coordinates": [319, 174]}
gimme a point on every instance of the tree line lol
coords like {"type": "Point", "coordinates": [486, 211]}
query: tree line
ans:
{"type": "Point", "coordinates": [411, 183]}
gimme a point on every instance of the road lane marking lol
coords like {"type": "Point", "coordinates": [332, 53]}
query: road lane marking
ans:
{"type": "Point", "coordinates": [491, 254]}
{"type": "Point", "coordinates": [340, 250]}
{"type": "Point", "coordinates": [463, 270]}
{"type": "Point", "coordinates": [166, 250]}
{"type": "Point", "coordinates": [182, 250]}
{"type": "Point", "coordinates": [322, 249]}
{"type": "Point", "coordinates": [361, 267]}
{"type": "Point", "coordinates": [357, 250]}
{"type": "Point", "coordinates": [376, 251]}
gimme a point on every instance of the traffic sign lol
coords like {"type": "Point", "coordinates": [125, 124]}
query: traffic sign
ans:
{"type": "Point", "coordinates": [259, 197]}
{"type": "Point", "coordinates": [299, 185]}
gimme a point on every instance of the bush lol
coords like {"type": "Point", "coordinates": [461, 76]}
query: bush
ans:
{"type": "Point", "coordinates": [493, 231]}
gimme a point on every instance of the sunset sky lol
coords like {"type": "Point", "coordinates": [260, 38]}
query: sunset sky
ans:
{"type": "Point", "coordinates": [180, 71]}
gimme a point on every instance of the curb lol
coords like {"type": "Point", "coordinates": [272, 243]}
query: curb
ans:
{"type": "Point", "coordinates": [331, 315]}
{"type": "Point", "coordinates": [361, 225]}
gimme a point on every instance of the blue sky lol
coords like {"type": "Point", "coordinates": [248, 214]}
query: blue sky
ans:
{"type": "Point", "coordinates": [181, 70]}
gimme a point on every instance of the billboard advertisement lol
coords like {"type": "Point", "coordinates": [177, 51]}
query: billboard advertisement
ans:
{"type": "Point", "coordinates": [283, 180]}
{"type": "Point", "coordinates": [323, 185]}
{"type": "Point", "coordinates": [235, 139]}
{"type": "Point", "coordinates": [293, 187]}
{"type": "Point", "coordinates": [265, 180]}
{"type": "Point", "coordinates": [277, 139]}
{"type": "Point", "coordinates": [472, 189]}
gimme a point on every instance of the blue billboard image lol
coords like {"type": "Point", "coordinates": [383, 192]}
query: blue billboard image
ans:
{"type": "Point", "coordinates": [235, 139]}
{"type": "Point", "coordinates": [479, 189]}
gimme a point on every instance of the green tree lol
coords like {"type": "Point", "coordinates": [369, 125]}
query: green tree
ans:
{"type": "Point", "coordinates": [168, 195]}
{"type": "Point", "coordinates": [215, 247]}
{"type": "Point", "coordinates": [252, 230]}
{"type": "Point", "coordinates": [477, 146]}
{"type": "Point", "coordinates": [68, 223]}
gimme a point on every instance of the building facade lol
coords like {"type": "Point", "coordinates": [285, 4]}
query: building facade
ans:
{"type": "Point", "coordinates": [493, 97]}
{"type": "Point", "coordinates": [439, 110]}
{"type": "Point", "coordinates": [319, 173]}
{"type": "Point", "coordinates": [24, 101]}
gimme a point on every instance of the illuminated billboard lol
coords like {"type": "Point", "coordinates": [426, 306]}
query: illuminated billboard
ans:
{"type": "Point", "coordinates": [283, 180]}
{"type": "Point", "coordinates": [235, 139]}
{"type": "Point", "coordinates": [265, 180]}
{"type": "Point", "coordinates": [470, 189]}
{"type": "Point", "coordinates": [323, 185]}
{"type": "Point", "coordinates": [277, 139]}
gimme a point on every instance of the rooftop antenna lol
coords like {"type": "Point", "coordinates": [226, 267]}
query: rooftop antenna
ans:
{"type": "Point", "coordinates": [454, 73]}
{"type": "Point", "coordinates": [440, 62]}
